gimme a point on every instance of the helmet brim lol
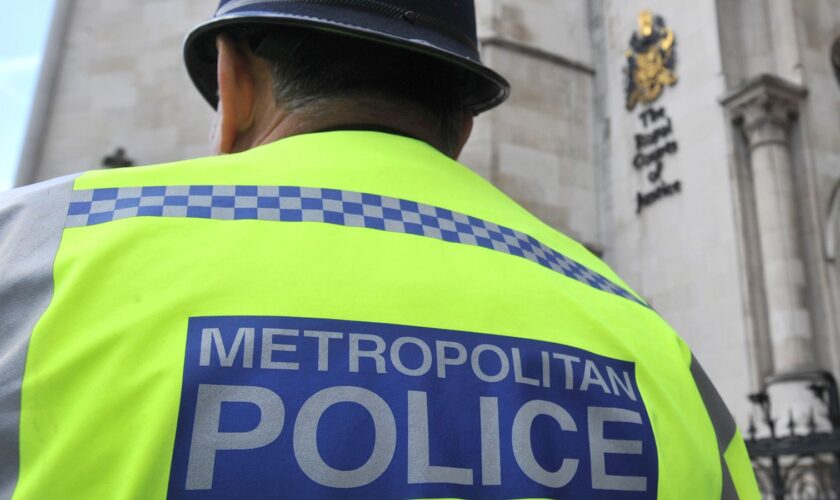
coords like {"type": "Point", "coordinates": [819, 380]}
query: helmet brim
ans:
{"type": "Point", "coordinates": [483, 88]}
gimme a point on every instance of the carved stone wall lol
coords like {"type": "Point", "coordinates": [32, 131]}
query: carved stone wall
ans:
{"type": "Point", "coordinates": [118, 81]}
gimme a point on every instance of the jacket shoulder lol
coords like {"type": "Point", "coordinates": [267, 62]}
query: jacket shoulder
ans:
{"type": "Point", "coordinates": [32, 214]}
{"type": "Point", "coordinates": [15, 200]}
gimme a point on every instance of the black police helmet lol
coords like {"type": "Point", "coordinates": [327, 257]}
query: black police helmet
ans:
{"type": "Point", "coordinates": [444, 29]}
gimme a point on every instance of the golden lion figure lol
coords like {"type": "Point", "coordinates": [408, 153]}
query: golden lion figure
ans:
{"type": "Point", "coordinates": [650, 60]}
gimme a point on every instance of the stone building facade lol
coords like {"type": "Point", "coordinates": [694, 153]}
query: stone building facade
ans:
{"type": "Point", "coordinates": [713, 201]}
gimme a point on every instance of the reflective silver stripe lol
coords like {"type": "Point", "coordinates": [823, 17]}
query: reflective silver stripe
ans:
{"type": "Point", "coordinates": [722, 422]}
{"type": "Point", "coordinates": [332, 206]}
{"type": "Point", "coordinates": [31, 224]}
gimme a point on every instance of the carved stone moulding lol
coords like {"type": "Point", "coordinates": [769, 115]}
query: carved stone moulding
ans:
{"type": "Point", "coordinates": [765, 107]}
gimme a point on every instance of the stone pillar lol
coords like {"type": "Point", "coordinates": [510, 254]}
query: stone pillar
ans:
{"type": "Point", "coordinates": [765, 109]}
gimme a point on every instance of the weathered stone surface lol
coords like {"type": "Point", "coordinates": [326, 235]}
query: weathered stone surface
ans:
{"type": "Point", "coordinates": [121, 82]}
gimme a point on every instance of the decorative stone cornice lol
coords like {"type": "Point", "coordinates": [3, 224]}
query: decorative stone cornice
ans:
{"type": "Point", "coordinates": [765, 107]}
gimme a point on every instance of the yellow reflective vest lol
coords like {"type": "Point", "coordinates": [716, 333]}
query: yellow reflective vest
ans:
{"type": "Point", "coordinates": [336, 315]}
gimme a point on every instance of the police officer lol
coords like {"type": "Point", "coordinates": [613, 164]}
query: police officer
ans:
{"type": "Point", "coordinates": [333, 307]}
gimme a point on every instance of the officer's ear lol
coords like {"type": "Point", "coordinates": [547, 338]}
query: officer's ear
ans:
{"type": "Point", "coordinates": [236, 95]}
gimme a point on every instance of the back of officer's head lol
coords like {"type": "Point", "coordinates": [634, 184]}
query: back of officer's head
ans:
{"type": "Point", "coordinates": [312, 72]}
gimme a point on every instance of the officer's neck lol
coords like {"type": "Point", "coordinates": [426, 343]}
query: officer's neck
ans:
{"type": "Point", "coordinates": [357, 113]}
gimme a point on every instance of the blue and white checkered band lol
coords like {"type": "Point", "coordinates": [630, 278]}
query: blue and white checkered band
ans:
{"type": "Point", "coordinates": [331, 206]}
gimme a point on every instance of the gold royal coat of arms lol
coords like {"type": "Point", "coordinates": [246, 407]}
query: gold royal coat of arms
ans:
{"type": "Point", "coordinates": [650, 60]}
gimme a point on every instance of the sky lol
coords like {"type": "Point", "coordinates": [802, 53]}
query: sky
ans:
{"type": "Point", "coordinates": [24, 27]}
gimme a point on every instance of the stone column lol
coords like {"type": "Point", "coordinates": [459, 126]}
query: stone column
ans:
{"type": "Point", "coordinates": [765, 109]}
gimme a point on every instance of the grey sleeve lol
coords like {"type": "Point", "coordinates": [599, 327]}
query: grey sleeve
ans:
{"type": "Point", "coordinates": [722, 422]}
{"type": "Point", "coordinates": [31, 225]}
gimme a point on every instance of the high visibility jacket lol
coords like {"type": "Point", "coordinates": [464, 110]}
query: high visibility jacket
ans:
{"type": "Point", "coordinates": [344, 314]}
